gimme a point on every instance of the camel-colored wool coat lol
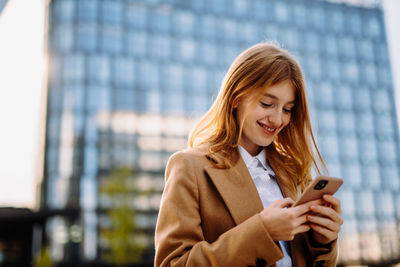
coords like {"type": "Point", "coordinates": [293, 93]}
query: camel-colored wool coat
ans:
{"type": "Point", "coordinates": [210, 217]}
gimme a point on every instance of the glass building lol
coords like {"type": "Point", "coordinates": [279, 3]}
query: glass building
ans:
{"type": "Point", "coordinates": [2, 4]}
{"type": "Point", "coordinates": [128, 79]}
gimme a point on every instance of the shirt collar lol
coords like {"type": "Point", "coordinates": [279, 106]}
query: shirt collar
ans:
{"type": "Point", "coordinates": [251, 161]}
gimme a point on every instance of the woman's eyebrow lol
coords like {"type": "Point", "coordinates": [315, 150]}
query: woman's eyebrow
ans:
{"type": "Point", "coordinates": [276, 98]}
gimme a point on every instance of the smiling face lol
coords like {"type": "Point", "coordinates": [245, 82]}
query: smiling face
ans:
{"type": "Point", "coordinates": [264, 120]}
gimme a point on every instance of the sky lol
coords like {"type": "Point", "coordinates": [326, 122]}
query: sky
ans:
{"type": "Point", "coordinates": [22, 72]}
{"type": "Point", "coordinates": [21, 76]}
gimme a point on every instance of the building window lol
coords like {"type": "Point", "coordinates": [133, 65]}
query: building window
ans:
{"type": "Point", "coordinates": [136, 43]}
{"type": "Point", "coordinates": [90, 162]}
{"type": "Point", "coordinates": [336, 20]}
{"type": "Point", "coordinates": [248, 32]}
{"type": "Point", "coordinates": [218, 6]}
{"type": "Point", "coordinates": [73, 97]}
{"type": "Point", "coordinates": [173, 77]}
{"type": "Point", "coordinates": [350, 72]}
{"type": "Point", "coordinates": [111, 40]}
{"type": "Point", "coordinates": [124, 99]}
{"type": "Point", "coordinates": [136, 15]}
{"type": "Point", "coordinates": [64, 11]}
{"type": "Point", "coordinates": [347, 47]}
{"type": "Point", "coordinates": [324, 94]}
{"type": "Point", "coordinates": [98, 98]}
{"type": "Point", "coordinates": [390, 177]}
{"type": "Point", "coordinates": [240, 8]}
{"type": "Point", "coordinates": [387, 151]}
{"type": "Point", "coordinates": [372, 27]}
{"type": "Point", "coordinates": [87, 10]}
{"type": "Point", "coordinates": [148, 74]}
{"type": "Point", "coordinates": [317, 18]}
{"type": "Point", "coordinates": [347, 196]}
{"type": "Point", "coordinates": [329, 146]}
{"type": "Point", "coordinates": [366, 50]}
{"type": "Point", "coordinates": [347, 123]}
{"type": "Point", "coordinates": [349, 148]}
{"type": "Point", "coordinates": [352, 174]}
{"type": "Point", "coordinates": [384, 204]}
{"type": "Point", "coordinates": [98, 69]}
{"type": "Point", "coordinates": [330, 46]}
{"type": "Point", "coordinates": [368, 73]}
{"type": "Point", "coordinates": [260, 10]}
{"type": "Point", "coordinates": [86, 37]}
{"type": "Point", "coordinates": [183, 22]}
{"type": "Point", "coordinates": [332, 70]}
{"type": "Point", "coordinates": [198, 79]}
{"type": "Point", "coordinates": [123, 72]}
{"type": "Point", "coordinates": [343, 98]}
{"type": "Point", "coordinates": [160, 20]}
{"type": "Point", "coordinates": [385, 125]}
{"type": "Point", "coordinates": [368, 152]}
{"type": "Point", "coordinates": [112, 12]}
{"type": "Point", "coordinates": [74, 68]}
{"type": "Point", "coordinates": [366, 207]}
{"type": "Point", "coordinates": [362, 100]}
{"type": "Point", "coordinates": [299, 15]}
{"type": "Point", "coordinates": [63, 37]}
{"type": "Point", "coordinates": [281, 12]}
{"type": "Point", "coordinates": [371, 176]}
{"type": "Point", "coordinates": [381, 103]}
{"type": "Point", "coordinates": [208, 52]}
{"type": "Point", "coordinates": [229, 30]}
{"type": "Point", "coordinates": [354, 22]}
{"type": "Point", "coordinates": [173, 102]}
{"type": "Point", "coordinates": [186, 49]}
{"type": "Point", "coordinates": [207, 27]}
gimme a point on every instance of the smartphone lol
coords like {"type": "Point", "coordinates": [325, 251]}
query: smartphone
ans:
{"type": "Point", "coordinates": [320, 186]}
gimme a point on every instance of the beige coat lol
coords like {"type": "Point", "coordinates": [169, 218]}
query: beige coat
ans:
{"type": "Point", "coordinates": [210, 217]}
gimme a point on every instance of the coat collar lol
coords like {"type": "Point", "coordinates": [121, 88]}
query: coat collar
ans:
{"type": "Point", "coordinates": [237, 188]}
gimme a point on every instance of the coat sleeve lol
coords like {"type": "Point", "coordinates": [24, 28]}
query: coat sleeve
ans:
{"type": "Point", "coordinates": [305, 252]}
{"type": "Point", "coordinates": [322, 255]}
{"type": "Point", "coordinates": [179, 240]}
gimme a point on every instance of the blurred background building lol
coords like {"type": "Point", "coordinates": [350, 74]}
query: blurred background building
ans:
{"type": "Point", "coordinates": [128, 79]}
{"type": "Point", "coordinates": [2, 4]}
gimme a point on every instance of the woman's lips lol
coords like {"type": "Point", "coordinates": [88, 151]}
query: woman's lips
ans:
{"type": "Point", "coordinates": [268, 130]}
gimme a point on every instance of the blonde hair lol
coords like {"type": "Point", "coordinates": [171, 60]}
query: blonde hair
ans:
{"type": "Point", "coordinates": [291, 154]}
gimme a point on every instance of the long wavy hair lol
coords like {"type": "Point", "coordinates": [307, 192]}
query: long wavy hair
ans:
{"type": "Point", "coordinates": [293, 152]}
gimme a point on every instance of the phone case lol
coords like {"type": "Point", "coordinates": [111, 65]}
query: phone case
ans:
{"type": "Point", "coordinates": [320, 186]}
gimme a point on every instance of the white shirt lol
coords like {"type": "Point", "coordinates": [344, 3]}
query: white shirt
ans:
{"type": "Point", "coordinates": [268, 190]}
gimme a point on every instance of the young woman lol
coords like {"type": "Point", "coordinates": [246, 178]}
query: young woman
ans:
{"type": "Point", "coordinates": [228, 198]}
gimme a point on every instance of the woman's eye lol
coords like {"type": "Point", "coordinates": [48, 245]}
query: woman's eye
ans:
{"type": "Point", "coordinates": [265, 104]}
{"type": "Point", "coordinates": [287, 110]}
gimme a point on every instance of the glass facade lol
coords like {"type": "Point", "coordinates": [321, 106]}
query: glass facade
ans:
{"type": "Point", "coordinates": [2, 4]}
{"type": "Point", "coordinates": [128, 79]}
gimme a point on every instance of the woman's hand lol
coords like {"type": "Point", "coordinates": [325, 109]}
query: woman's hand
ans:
{"type": "Point", "coordinates": [283, 222]}
{"type": "Point", "coordinates": [325, 220]}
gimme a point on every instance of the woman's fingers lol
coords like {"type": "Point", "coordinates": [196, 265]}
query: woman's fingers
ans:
{"type": "Point", "coordinates": [324, 222]}
{"type": "Point", "coordinates": [304, 208]}
{"type": "Point", "coordinates": [302, 228]}
{"type": "Point", "coordinates": [285, 203]}
{"type": "Point", "coordinates": [333, 201]}
{"type": "Point", "coordinates": [327, 212]}
{"type": "Point", "coordinates": [326, 233]}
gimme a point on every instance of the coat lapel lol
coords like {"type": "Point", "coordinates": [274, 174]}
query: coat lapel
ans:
{"type": "Point", "coordinates": [237, 189]}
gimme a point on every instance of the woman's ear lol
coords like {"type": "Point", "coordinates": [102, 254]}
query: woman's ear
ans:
{"type": "Point", "coordinates": [235, 103]}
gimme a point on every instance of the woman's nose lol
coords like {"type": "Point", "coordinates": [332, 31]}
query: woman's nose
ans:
{"type": "Point", "coordinates": [275, 118]}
